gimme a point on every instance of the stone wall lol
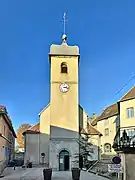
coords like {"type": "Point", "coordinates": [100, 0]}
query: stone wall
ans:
{"type": "Point", "coordinates": [56, 146]}
{"type": "Point", "coordinates": [130, 166]}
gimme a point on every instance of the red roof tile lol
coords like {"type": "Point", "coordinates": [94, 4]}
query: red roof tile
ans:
{"type": "Point", "coordinates": [109, 112]}
{"type": "Point", "coordinates": [93, 131]}
{"type": "Point", "coordinates": [34, 129]}
{"type": "Point", "coordinates": [83, 131]}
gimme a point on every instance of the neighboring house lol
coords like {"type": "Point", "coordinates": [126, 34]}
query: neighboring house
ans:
{"type": "Point", "coordinates": [126, 122]}
{"type": "Point", "coordinates": [7, 137]}
{"type": "Point", "coordinates": [114, 120]}
{"type": "Point", "coordinates": [106, 124]}
{"type": "Point", "coordinates": [95, 140]}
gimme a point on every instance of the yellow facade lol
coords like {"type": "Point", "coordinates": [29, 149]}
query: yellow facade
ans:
{"type": "Point", "coordinates": [63, 103]}
{"type": "Point", "coordinates": [107, 138]}
{"type": "Point", "coordinates": [117, 118]}
{"type": "Point", "coordinates": [45, 120]}
{"type": "Point", "coordinates": [125, 121]}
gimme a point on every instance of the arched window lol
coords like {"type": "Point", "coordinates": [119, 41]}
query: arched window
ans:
{"type": "Point", "coordinates": [64, 68]}
{"type": "Point", "coordinates": [107, 148]}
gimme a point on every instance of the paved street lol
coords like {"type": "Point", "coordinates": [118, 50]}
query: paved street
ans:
{"type": "Point", "coordinates": [36, 174]}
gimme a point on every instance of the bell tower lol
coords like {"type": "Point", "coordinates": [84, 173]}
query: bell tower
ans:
{"type": "Point", "coordinates": [64, 108]}
{"type": "Point", "coordinates": [64, 62]}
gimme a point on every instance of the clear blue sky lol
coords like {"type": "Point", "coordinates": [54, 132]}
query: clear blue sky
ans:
{"type": "Point", "coordinates": [104, 31]}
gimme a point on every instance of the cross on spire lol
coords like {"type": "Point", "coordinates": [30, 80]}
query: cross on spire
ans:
{"type": "Point", "coordinates": [64, 22]}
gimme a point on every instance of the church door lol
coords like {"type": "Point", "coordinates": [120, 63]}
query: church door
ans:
{"type": "Point", "coordinates": [64, 160]}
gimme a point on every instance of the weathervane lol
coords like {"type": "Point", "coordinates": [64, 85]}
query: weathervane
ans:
{"type": "Point", "coordinates": [64, 37]}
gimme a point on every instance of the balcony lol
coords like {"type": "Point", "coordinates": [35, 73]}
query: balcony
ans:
{"type": "Point", "coordinates": [125, 139]}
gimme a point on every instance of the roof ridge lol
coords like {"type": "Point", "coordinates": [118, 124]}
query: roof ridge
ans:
{"type": "Point", "coordinates": [94, 129]}
{"type": "Point", "coordinates": [33, 126]}
{"type": "Point", "coordinates": [127, 93]}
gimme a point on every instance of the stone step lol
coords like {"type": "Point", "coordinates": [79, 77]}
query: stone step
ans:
{"type": "Point", "coordinates": [101, 166]}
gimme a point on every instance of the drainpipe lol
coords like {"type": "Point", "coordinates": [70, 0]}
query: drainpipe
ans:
{"type": "Point", "coordinates": [39, 148]}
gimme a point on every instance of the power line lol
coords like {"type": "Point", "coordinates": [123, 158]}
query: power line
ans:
{"type": "Point", "coordinates": [130, 79]}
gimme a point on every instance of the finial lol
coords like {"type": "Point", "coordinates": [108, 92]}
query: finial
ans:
{"type": "Point", "coordinates": [64, 37]}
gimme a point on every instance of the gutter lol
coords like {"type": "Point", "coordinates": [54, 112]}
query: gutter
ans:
{"type": "Point", "coordinates": [1, 135]}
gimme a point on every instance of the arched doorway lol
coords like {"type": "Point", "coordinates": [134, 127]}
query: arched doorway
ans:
{"type": "Point", "coordinates": [64, 160]}
{"type": "Point", "coordinates": [107, 148]}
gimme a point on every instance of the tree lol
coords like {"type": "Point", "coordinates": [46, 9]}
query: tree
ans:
{"type": "Point", "coordinates": [86, 151]}
{"type": "Point", "coordinates": [20, 137]}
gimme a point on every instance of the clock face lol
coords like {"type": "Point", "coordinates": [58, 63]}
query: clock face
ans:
{"type": "Point", "coordinates": [64, 87]}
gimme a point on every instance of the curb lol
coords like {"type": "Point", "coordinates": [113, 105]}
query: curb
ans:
{"type": "Point", "coordinates": [99, 174]}
{"type": "Point", "coordinates": [1, 176]}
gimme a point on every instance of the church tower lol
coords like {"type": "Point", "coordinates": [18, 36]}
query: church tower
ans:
{"type": "Point", "coordinates": [64, 114]}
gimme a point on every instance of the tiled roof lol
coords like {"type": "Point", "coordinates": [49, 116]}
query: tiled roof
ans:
{"type": "Point", "coordinates": [34, 129]}
{"type": "Point", "coordinates": [129, 95]}
{"type": "Point", "coordinates": [4, 113]}
{"type": "Point", "coordinates": [83, 131]}
{"type": "Point", "coordinates": [113, 109]}
{"type": "Point", "coordinates": [93, 131]}
{"type": "Point", "coordinates": [108, 112]}
{"type": "Point", "coordinates": [3, 109]}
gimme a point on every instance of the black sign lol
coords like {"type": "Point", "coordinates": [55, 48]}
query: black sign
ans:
{"type": "Point", "coordinates": [116, 160]}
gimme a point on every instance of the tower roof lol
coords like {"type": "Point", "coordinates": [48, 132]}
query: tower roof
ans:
{"type": "Point", "coordinates": [64, 48]}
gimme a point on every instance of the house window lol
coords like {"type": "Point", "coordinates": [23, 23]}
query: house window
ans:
{"type": "Point", "coordinates": [4, 130]}
{"type": "Point", "coordinates": [64, 68]}
{"type": "Point", "coordinates": [130, 112]}
{"type": "Point", "coordinates": [3, 152]}
{"type": "Point", "coordinates": [107, 148]}
{"type": "Point", "coordinates": [130, 132]}
{"type": "Point", "coordinates": [106, 131]}
{"type": "Point", "coordinates": [6, 151]}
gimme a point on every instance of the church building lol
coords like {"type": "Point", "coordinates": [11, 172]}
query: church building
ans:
{"type": "Point", "coordinates": [57, 134]}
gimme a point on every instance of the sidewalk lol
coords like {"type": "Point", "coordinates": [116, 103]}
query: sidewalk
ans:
{"type": "Point", "coordinates": [37, 174]}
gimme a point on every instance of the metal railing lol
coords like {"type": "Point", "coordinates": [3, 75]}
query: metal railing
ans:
{"type": "Point", "coordinates": [125, 137]}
